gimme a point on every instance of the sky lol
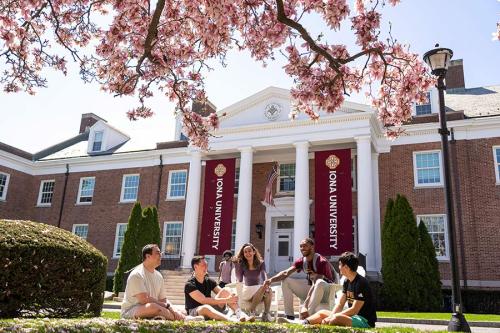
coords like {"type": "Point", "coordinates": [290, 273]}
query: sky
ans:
{"type": "Point", "coordinates": [33, 123]}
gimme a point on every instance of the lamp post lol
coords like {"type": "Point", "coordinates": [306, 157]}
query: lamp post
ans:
{"type": "Point", "coordinates": [438, 60]}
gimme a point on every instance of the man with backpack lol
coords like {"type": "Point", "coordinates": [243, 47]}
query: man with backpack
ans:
{"type": "Point", "coordinates": [312, 290]}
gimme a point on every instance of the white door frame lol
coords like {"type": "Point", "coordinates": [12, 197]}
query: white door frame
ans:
{"type": "Point", "coordinates": [283, 208]}
{"type": "Point", "coordinates": [274, 246]}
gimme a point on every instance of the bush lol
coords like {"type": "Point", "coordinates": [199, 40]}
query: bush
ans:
{"type": "Point", "coordinates": [47, 271]}
{"type": "Point", "coordinates": [143, 228]}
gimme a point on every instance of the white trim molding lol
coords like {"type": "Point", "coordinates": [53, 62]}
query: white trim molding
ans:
{"type": "Point", "coordinates": [40, 193]}
{"type": "Point", "coordinates": [73, 230]}
{"type": "Point", "coordinates": [496, 159]}
{"type": "Point", "coordinates": [169, 187]}
{"type": "Point", "coordinates": [415, 169]}
{"type": "Point", "coordinates": [5, 188]}
{"type": "Point", "coordinates": [445, 228]}
{"type": "Point", "coordinates": [79, 195]}
{"type": "Point", "coordinates": [116, 255]}
{"type": "Point", "coordinates": [122, 199]}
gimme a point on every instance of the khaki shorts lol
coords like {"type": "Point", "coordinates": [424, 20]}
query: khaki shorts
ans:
{"type": "Point", "coordinates": [129, 313]}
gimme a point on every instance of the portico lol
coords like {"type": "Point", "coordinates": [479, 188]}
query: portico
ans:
{"type": "Point", "coordinates": [275, 139]}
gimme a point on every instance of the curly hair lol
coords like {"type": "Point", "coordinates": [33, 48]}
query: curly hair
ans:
{"type": "Point", "coordinates": [257, 258]}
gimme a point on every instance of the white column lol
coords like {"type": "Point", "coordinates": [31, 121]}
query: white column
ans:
{"type": "Point", "coordinates": [190, 230]}
{"type": "Point", "coordinates": [301, 207]}
{"type": "Point", "coordinates": [244, 208]}
{"type": "Point", "coordinates": [377, 236]}
{"type": "Point", "coordinates": [365, 201]}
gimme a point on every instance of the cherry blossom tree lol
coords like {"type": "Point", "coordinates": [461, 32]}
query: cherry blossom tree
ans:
{"type": "Point", "coordinates": [163, 46]}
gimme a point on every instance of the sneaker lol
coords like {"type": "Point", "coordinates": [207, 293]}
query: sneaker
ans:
{"type": "Point", "coordinates": [283, 320]}
{"type": "Point", "coordinates": [266, 317]}
{"type": "Point", "coordinates": [159, 318]}
{"type": "Point", "coordinates": [244, 318]}
{"type": "Point", "coordinates": [194, 318]}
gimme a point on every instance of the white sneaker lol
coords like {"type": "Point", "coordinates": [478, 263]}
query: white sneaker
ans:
{"type": "Point", "coordinates": [194, 318]}
{"type": "Point", "coordinates": [266, 317]}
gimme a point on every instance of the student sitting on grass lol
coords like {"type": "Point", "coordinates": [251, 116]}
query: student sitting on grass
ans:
{"type": "Point", "coordinates": [356, 292]}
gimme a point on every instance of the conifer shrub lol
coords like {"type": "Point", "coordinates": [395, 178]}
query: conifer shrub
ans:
{"type": "Point", "coordinates": [143, 228]}
{"type": "Point", "coordinates": [47, 271]}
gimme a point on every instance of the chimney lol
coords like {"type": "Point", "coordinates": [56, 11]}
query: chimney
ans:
{"type": "Point", "coordinates": [88, 119]}
{"type": "Point", "coordinates": [203, 108]}
{"type": "Point", "coordinates": [455, 75]}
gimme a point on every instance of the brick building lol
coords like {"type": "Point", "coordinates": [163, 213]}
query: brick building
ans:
{"type": "Point", "coordinates": [88, 183]}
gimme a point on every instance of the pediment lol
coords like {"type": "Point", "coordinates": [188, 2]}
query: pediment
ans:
{"type": "Point", "coordinates": [271, 105]}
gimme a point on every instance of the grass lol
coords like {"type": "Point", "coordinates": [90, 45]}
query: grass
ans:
{"type": "Point", "coordinates": [437, 316]}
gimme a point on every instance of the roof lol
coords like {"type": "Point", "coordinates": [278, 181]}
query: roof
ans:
{"type": "Point", "coordinates": [474, 102]}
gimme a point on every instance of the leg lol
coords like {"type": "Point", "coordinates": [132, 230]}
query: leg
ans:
{"type": "Point", "coordinates": [209, 312]}
{"type": "Point", "coordinates": [268, 297]}
{"type": "Point", "coordinates": [290, 286]}
{"type": "Point", "coordinates": [321, 289]}
{"type": "Point", "coordinates": [338, 320]}
{"type": "Point", "coordinates": [225, 293]}
{"type": "Point", "coordinates": [257, 298]}
{"type": "Point", "coordinates": [318, 317]}
{"type": "Point", "coordinates": [151, 310]}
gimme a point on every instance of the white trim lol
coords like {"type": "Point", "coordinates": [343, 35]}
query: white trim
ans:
{"type": "Point", "coordinates": [164, 237]}
{"type": "Point", "coordinates": [497, 164]}
{"type": "Point", "coordinates": [115, 255]}
{"type": "Point", "coordinates": [122, 200]}
{"type": "Point", "coordinates": [6, 186]}
{"type": "Point", "coordinates": [42, 182]}
{"type": "Point", "coordinates": [415, 173]}
{"type": "Point", "coordinates": [80, 192]}
{"type": "Point", "coordinates": [278, 191]}
{"type": "Point", "coordinates": [170, 175]}
{"type": "Point", "coordinates": [80, 225]}
{"type": "Point", "coordinates": [446, 245]}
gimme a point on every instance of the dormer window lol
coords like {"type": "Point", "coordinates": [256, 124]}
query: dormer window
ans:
{"type": "Point", "coordinates": [97, 145]}
{"type": "Point", "coordinates": [424, 108]}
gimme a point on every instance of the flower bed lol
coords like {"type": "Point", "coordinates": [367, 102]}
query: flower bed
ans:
{"type": "Point", "coordinates": [101, 325]}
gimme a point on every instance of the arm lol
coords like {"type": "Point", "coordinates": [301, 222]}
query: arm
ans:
{"type": "Point", "coordinates": [238, 271]}
{"type": "Point", "coordinates": [202, 299]}
{"type": "Point", "coordinates": [340, 305]}
{"type": "Point", "coordinates": [144, 298]}
{"type": "Point", "coordinates": [220, 270]}
{"type": "Point", "coordinates": [354, 309]}
{"type": "Point", "coordinates": [282, 275]}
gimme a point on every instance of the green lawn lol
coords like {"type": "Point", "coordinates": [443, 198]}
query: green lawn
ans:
{"type": "Point", "coordinates": [437, 315]}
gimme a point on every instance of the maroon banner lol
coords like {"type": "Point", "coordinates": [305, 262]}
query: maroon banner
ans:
{"type": "Point", "coordinates": [217, 220]}
{"type": "Point", "coordinates": [333, 202]}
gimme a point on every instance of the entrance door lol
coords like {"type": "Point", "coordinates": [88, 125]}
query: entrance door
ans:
{"type": "Point", "coordinates": [283, 242]}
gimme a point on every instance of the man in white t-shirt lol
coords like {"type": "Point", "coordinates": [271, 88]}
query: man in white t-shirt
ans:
{"type": "Point", "coordinates": [145, 295]}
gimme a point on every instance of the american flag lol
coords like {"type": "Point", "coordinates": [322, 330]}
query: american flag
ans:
{"type": "Point", "coordinates": [268, 194]}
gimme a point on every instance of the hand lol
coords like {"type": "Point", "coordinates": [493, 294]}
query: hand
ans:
{"type": "Point", "coordinates": [233, 299]}
{"type": "Point", "coordinates": [328, 320]}
{"type": "Point", "coordinates": [267, 283]}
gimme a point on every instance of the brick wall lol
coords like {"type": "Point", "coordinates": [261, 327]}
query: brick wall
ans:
{"type": "Point", "coordinates": [18, 203]}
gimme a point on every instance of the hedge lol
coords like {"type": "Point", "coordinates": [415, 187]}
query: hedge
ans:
{"type": "Point", "coordinates": [99, 325]}
{"type": "Point", "coordinates": [47, 271]}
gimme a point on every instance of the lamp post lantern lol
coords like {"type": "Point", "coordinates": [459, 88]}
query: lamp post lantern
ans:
{"type": "Point", "coordinates": [438, 60]}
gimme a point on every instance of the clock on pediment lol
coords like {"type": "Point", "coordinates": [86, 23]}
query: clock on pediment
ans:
{"type": "Point", "coordinates": [272, 111]}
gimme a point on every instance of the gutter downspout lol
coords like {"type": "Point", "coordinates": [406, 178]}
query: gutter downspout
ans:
{"type": "Point", "coordinates": [159, 182]}
{"type": "Point", "coordinates": [63, 195]}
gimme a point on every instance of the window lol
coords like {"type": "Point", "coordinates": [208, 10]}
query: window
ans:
{"type": "Point", "coordinates": [4, 185]}
{"type": "Point", "coordinates": [233, 237]}
{"type": "Point", "coordinates": [177, 184]}
{"type": "Point", "coordinates": [236, 180]}
{"type": "Point", "coordinates": [81, 230]}
{"type": "Point", "coordinates": [287, 177]}
{"type": "Point", "coordinates": [424, 108]}
{"type": "Point", "coordinates": [46, 192]}
{"type": "Point", "coordinates": [436, 226]}
{"type": "Point", "coordinates": [427, 168]}
{"type": "Point", "coordinates": [496, 158]}
{"type": "Point", "coordinates": [130, 188]}
{"type": "Point", "coordinates": [97, 145]}
{"type": "Point", "coordinates": [172, 238]}
{"type": "Point", "coordinates": [86, 190]}
{"type": "Point", "coordinates": [121, 228]}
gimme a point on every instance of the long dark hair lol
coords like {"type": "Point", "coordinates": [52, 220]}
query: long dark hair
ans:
{"type": "Point", "coordinates": [257, 258]}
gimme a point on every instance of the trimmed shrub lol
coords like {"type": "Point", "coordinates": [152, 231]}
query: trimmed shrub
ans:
{"type": "Point", "coordinates": [130, 253]}
{"type": "Point", "coordinates": [429, 271]}
{"type": "Point", "coordinates": [143, 228]}
{"type": "Point", "coordinates": [50, 272]}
